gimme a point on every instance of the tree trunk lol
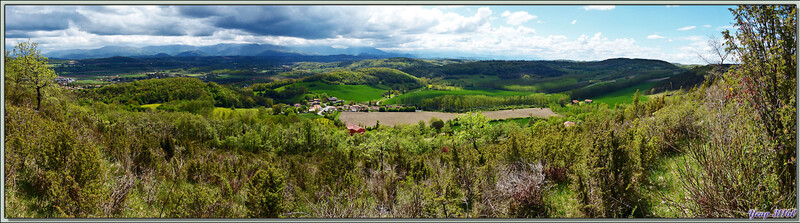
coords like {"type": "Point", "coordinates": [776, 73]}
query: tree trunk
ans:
{"type": "Point", "coordinates": [38, 98]}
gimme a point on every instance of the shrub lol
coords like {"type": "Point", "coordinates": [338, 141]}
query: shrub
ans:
{"type": "Point", "coordinates": [265, 194]}
{"type": "Point", "coordinates": [525, 184]}
{"type": "Point", "coordinates": [65, 172]}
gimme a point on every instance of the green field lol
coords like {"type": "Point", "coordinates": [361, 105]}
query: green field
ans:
{"type": "Point", "coordinates": [625, 95]}
{"type": "Point", "coordinates": [538, 87]}
{"type": "Point", "coordinates": [344, 92]}
{"type": "Point", "coordinates": [424, 94]}
{"type": "Point", "coordinates": [227, 112]}
{"type": "Point", "coordinates": [151, 106]}
{"type": "Point", "coordinates": [89, 82]}
{"type": "Point", "coordinates": [133, 75]}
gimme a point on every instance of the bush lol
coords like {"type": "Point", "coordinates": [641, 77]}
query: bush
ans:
{"type": "Point", "coordinates": [66, 173]}
{"type": "Point", "coordinates": [608, 176]}
{"type": "Point", "coordinates": [265, 194]}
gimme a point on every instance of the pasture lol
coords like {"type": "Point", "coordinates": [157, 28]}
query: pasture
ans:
{"type": "Point", "coordinates": [624, 95]}
{"type": "Point", "coordinates": [416, 97]}
{"type": "Point", "coordinates": [345, 92]}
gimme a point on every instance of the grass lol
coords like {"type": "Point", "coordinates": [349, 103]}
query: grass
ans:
{"type": "Point", "coordinates": [664, 181]}
{"type": "Point", "coordinates": [625, 95]}
{"type": "Point", "coordinates": [133, 75]}
{"type": "Point", "coordinates": [472, 79]}
{"type": "Point", "coordinates": [227, 112]}
{"type": "Point", "coordinates": [561, 202]}
{"type": "Point", "coordinates": [151, 106]}
{"type": "Point", "coordinates": [90, 82]}
{"type": "Point", "coordinates": [344, 92]}
{"type": "Point", "coordinates": [425, 94]}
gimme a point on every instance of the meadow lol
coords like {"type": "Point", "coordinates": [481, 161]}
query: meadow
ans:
{"type": "Point", "coordinates": [625, 95]}
{"type": "Point", "coordinates": [418, 96]}
{"type": "Point", "coordinates": [358, 93]}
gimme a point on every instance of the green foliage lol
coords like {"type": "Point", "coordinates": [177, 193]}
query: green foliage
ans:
{"type": "Point", "coordinates": [418, 96]}
{"type": "Point", "coordinates": [765, 42]}
{"type": "Point", "coordinates": [461, 103]}
{"type": "Point", "coordinates": [473, 131]}
{"type": "Point", "coordinates": [64, 173]}
{"type": "Point", "coordinates": [265, 194]}
{"type": "Point", "coordinates": [168, 89]}
{"type": "Point", "coordinates": [686, 80]}
{"type": "Point", "coordinates": [436, 123]}
{"type": "Point", "coordinates": [28, 71]}
{"type": "Point", "coordinates": [85, 156]}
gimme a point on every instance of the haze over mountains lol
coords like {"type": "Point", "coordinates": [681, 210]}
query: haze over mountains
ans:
{"type": "Point", "coordinates": [226, 49]}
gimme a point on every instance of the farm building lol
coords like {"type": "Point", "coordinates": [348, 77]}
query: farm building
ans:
{"type": "Point", "coordinates": [588, 101]}
{"type": "Point", "coordinates": [355, 129]}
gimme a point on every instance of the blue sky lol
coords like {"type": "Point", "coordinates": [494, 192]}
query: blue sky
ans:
{"type": "Point", "coordinates": [574, 32]}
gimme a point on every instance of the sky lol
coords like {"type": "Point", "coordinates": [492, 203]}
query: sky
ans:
{"type": "Point", "coordinates": [529, 32]}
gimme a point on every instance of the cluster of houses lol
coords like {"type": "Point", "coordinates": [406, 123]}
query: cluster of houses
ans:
{"type": "Point", "coordinates": [63, 81]}
{"type": "Point", "coordinates": [587, 101]}
{"type": "Point", "coordinates": [334, 104]}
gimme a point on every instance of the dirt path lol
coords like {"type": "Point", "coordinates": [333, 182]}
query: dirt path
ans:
{"type": "Point", "coordinates": [394, 118]}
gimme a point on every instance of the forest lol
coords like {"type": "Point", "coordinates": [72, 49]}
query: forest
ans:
{"type": "Point", "coordinates": [713, 142]}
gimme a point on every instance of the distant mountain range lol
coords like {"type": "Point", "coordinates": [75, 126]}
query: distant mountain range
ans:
{"type": "Point", "coordinates": [225, 49]}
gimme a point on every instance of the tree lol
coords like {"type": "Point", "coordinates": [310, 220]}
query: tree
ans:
{"type": "Point", "coordinates": [29, 69]}
{"type": "Point", "coordinates": [277, 109]}
{"type": "Point", "coordinates": [436, 123]}
{"type": "Point", "coordinates": [474, 127]}
{"type": "Point", "coordinates": [717, 56]}
{"type": "Point", "coordinates": [765, 44]}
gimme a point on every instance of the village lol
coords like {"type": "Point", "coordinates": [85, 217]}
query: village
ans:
{"type": "Point", "coordinates": [333, 104]}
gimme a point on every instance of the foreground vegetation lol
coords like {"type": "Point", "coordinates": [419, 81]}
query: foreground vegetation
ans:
{"type": "Point", "coordinates": [717, 150]}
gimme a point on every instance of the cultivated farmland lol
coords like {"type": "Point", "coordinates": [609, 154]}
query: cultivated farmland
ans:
{"type": "Point", "coordinates": [395, 118]}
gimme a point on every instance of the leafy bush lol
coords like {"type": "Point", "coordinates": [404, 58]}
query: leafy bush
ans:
{"type": "Point", "coordinates": [265, 194]}
{"type": "Point", "coordinates": [66, 173]}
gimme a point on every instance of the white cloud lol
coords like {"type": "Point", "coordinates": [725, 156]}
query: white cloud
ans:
{"type": "Point", "coordinates": [707, 26]}
{"type": "Point", "coordinates": [517, 18]}
{"type": "Point", "coordinates": [401, 29]}
{"type": "Point", "coordinates": [599, 7]}
{"type": "Point", "coordinates": [669, 6]}
{"type": "Point", "coordinates": [724, 27]}
{"type": "Point", "coordinates": [686, 28]}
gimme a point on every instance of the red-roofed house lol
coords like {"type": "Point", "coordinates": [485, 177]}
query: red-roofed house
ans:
{"type": "Point", "coordinates": [355, 129]}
